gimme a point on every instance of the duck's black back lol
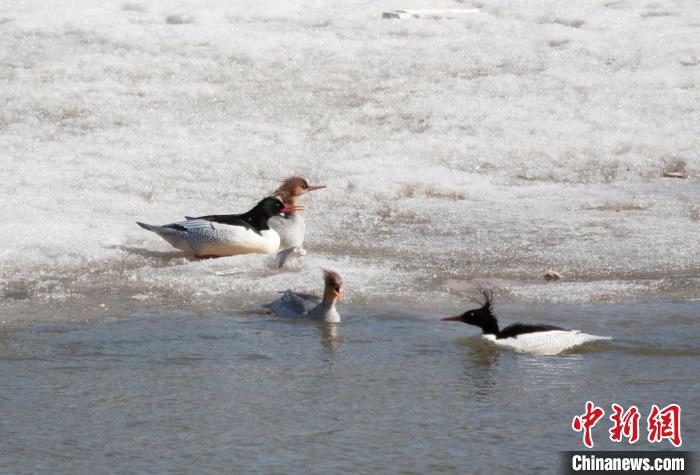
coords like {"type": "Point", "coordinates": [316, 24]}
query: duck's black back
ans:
{"type": "Point", "coordinates": [512, 331]}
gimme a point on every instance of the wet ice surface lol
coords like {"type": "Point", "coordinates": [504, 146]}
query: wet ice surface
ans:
{"type": "Point", "coordinates": [498, 146]}
{"type": "Point", "coordinates": [389, 390]}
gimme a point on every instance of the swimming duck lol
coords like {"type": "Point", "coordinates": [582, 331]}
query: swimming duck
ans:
{"type": "Point", "coordinates": [537, 339]}
{"type": "Point", "coordinates": [294, 305]}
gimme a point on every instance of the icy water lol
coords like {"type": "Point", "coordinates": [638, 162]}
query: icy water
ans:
{"type": "Point", "coordinates": [385, 391]}
{"type": "Point", "coordinates": [525, 137]}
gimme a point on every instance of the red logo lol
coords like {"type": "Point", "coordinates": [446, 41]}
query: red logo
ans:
{"type": "Point", "coordinates": [665, 424]}
{"type": "Point", "coordinates": [586, 422]}
{"type": "Point", "coordinates": [661, 424]}
{"type": "Point", "coordinates": [626, 425]}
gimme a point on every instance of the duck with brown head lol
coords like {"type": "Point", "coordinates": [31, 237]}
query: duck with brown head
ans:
{"type": "Point", "coordinates": [291, 226]}
{"type": "Point", "coordinates": [295, 305]}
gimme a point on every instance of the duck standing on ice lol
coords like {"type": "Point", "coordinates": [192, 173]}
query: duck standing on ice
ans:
{"type": "Point", "coordinates": [293, 305]}
{"type": "Point", "coordinates": [290, 225]}
{"type": "Point", "coordinates": [537, 339]}
{"type": "Point", "coordinates": [226, 234]}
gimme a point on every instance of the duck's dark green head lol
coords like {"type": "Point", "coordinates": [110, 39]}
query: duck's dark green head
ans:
{"type": "Point", "coordinates": [481, 317]}
{"type": "Point", "coordinates": [272, 206]}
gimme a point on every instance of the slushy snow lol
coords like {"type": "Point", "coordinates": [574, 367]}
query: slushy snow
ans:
{"type": "Point", "coordinates": [531, 136]}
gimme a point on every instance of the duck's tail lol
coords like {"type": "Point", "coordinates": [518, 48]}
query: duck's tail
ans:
{"type": "Point", "coordinates": [175, 237]}
{"type": "Point", "coordinates": [149, 227]}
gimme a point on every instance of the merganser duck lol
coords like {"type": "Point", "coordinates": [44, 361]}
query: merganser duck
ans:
{"type": "Point", "coordinates": [226, 234]}
{"type": "Point", "coordinates": [293, 305]}
{"type": "Point", "coordinates": [537, 339]}
{"type": "Point", "coordinates": [290, 225]}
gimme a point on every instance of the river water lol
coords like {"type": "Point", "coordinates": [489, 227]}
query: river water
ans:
{"type": "Point", "coordinates": [386, 391]}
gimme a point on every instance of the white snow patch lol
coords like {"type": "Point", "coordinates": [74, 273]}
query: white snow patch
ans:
{"type": "Point", "coordinates": [533, 136]}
